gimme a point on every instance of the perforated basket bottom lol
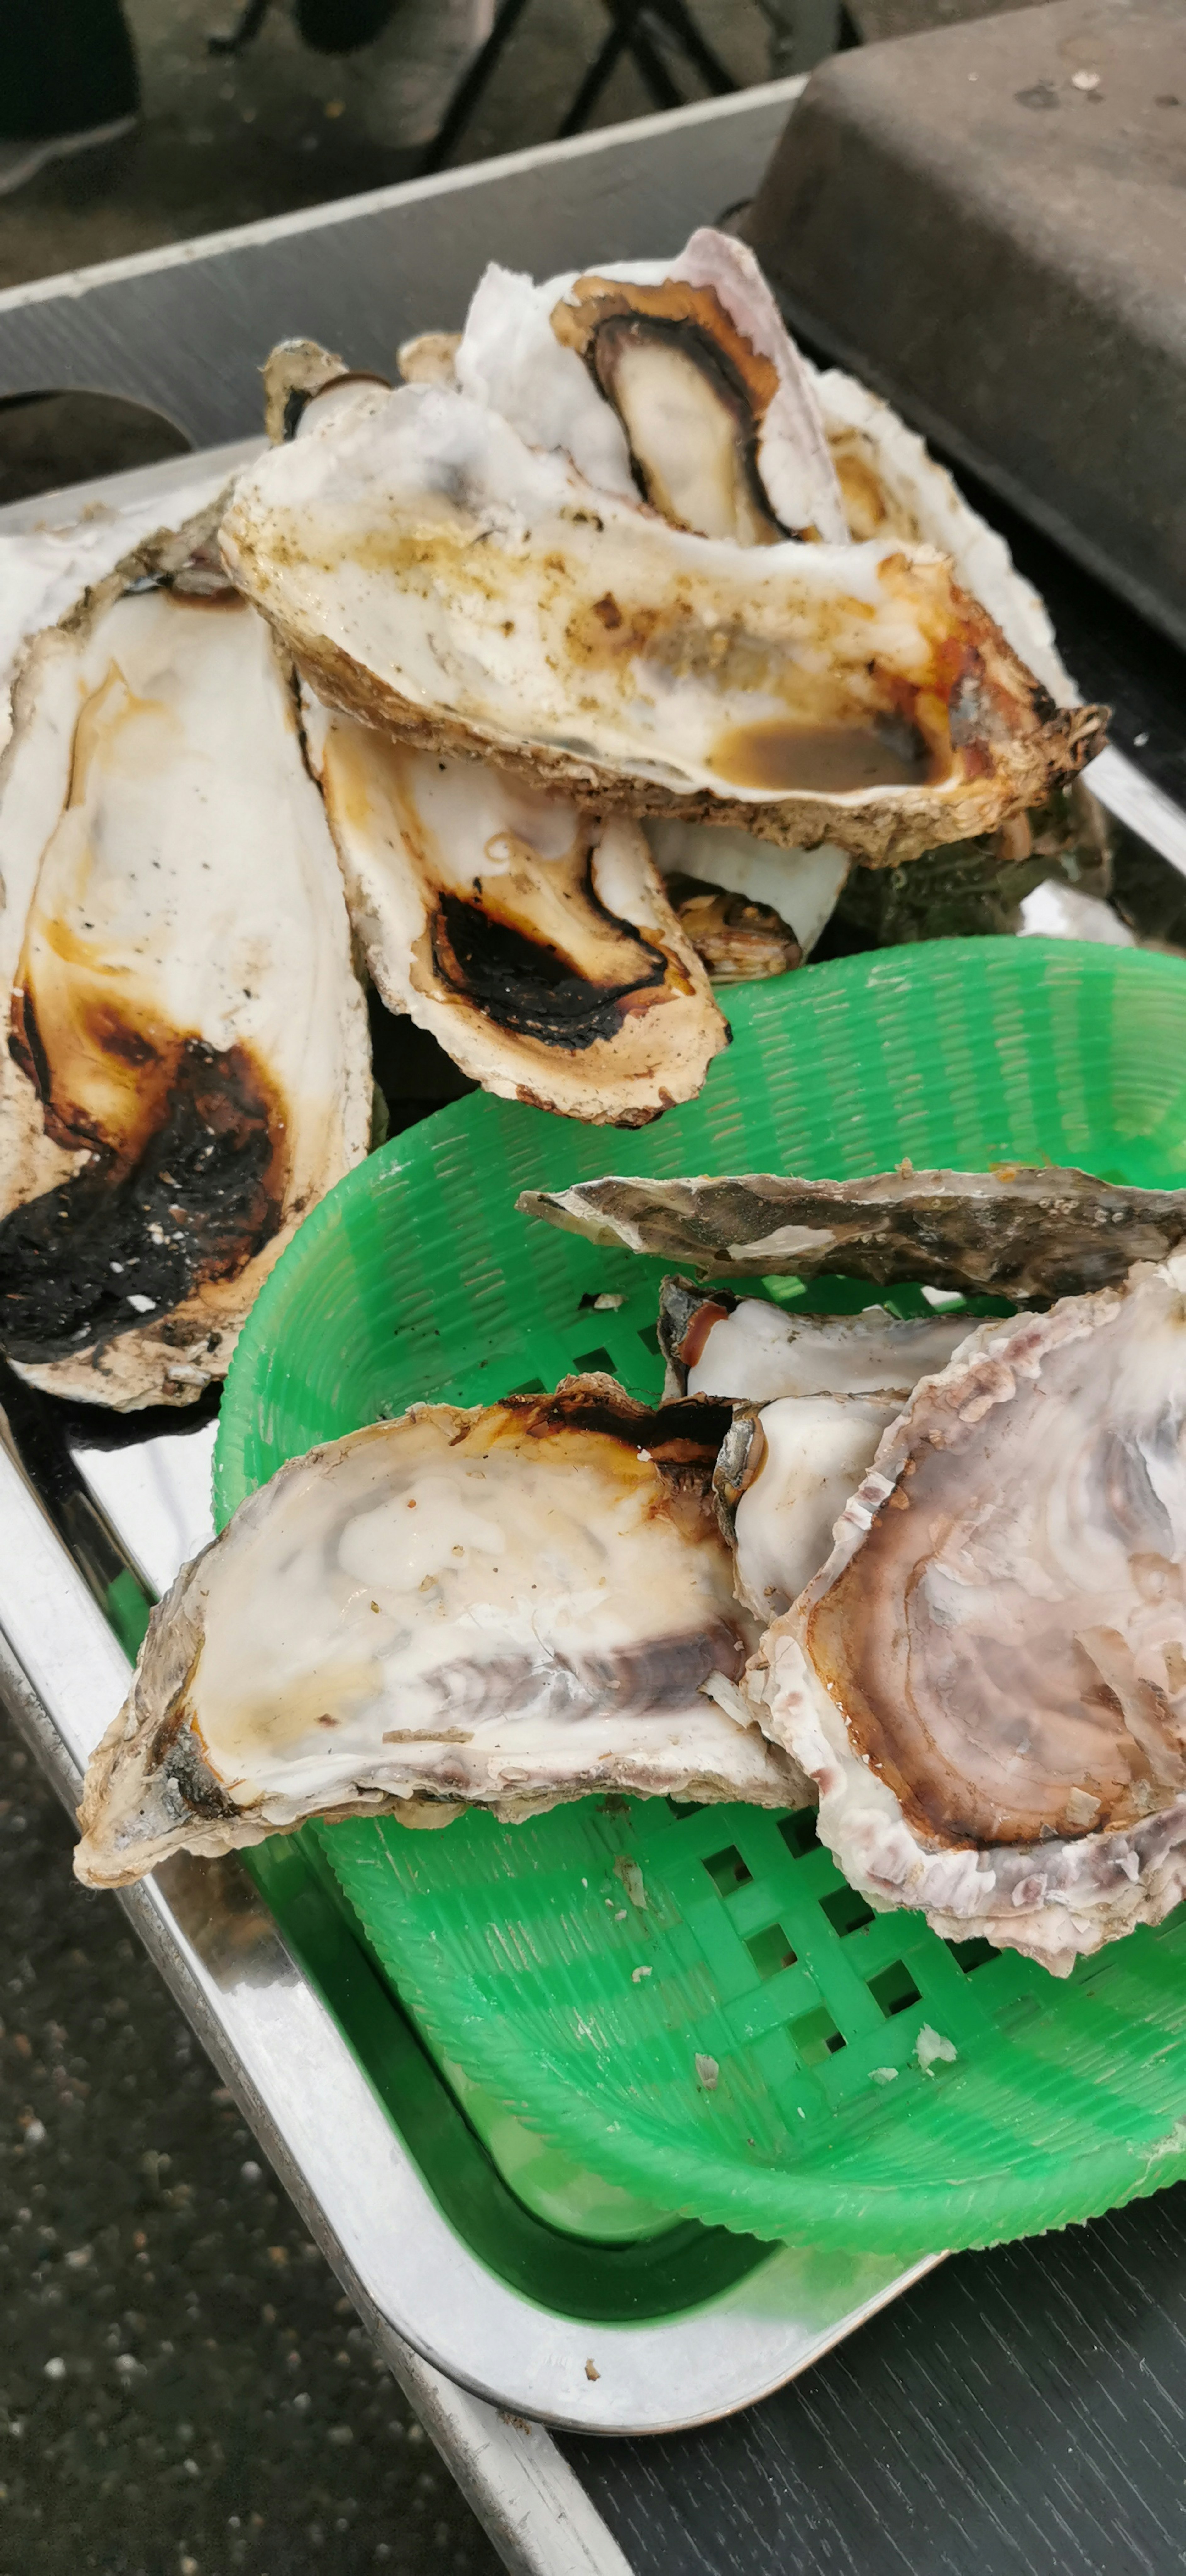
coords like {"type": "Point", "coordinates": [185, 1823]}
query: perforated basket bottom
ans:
{"type": "Point", "coordinates": [517, 1947]}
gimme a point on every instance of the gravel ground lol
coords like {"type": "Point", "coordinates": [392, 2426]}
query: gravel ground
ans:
{"type": "Point", "coordinates": [228, 141]}
{"type": "Point", "coordinates": [183, 2389]}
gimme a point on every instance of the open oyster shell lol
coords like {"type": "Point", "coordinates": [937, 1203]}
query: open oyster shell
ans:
{"type": "Point", "coordinates": [813, 1395]}
{"type": "Point", "coordinates": [891, 486]}
{"type": "Point", "coordinates": [504, 1607]}
{"type": "Point", "coordinates": [987, 1680]}
{"type": "Point", "coordinates": [454, 587]}
{"type": "Point", "coordinates": [534, 941]}
{"type": "Point", "coordinates": [746, 1348]}
{"type": "Point", "coordinates": [1017, 1232]}
{"type": "Point", "coordinates": [723, 429]}
{"type": "Point", "coordinates": [187, 1066]}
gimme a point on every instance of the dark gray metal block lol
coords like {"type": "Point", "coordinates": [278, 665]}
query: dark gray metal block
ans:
{"type": "Point", "coordinates": [989, 223]}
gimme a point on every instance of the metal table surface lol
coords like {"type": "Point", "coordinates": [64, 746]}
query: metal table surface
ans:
{"type": "Point", "coordinates": [1018, 2410]}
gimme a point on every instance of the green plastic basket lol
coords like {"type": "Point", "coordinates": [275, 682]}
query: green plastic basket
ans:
{"type": "Point", "coordinates": [516, 1947]}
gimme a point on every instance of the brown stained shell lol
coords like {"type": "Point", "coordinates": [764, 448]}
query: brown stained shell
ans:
{"type": "Point", "coordinates": [161, 1129]}
{"type": "Point", "coordinates": [294, 372]}
{"type": "Point", "coordinates": [987, 1680]}
{"type": "Point", "coordinates": [533, 940]}
{"type": "Point", "coordinates": [264, 1690]}
{"type": "Point", "coordinates": [1015, 1231]}
{"type": "Point", "coordinates": [455, 589]}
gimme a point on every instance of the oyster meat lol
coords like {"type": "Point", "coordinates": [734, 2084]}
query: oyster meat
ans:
{"type": "Point", "coordinates": [987, 1680]}
{"type": "Point", "coordinates": [718, 425]}
{"type": "Point", "coordinates": [783, 1476]}
{"type": "Point", "coordinates": [813, 1395]}
{"type": "Point", "coordinates": [438, 577]}
{"type": "Point", "coordinates": [1017, 1232]}
{"type": "Point", "coordinates": [503, 1607]}
{"type": "Point", "coordinates": [535, 941]}
{"type": "Point", "coordinates": [187, 1066]}
{"type": "Point", "coordinates": [754, 1351]}
{"type": "Point", "coordinates": [800, 887]}
{"type": "Point", "coordinates": [736, 941]}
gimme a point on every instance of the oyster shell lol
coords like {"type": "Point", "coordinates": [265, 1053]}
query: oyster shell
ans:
{"type": "Point", "coordinates": [987, 1680]}
{"type": "Point", "coordinates": [44, 571]}
{"type": "Point", "coordinates": [813, 1395]}
{"type": "Point", "coordinates": [892, 487]}
{"type": "Point", "coordinates": [783, 1476]}
{"type": "Point", "coordinates": [434, 575]}
{"type": "Point", "coordinates": [188, 1065]}
{"type": "Point", "coordinates": [753, 1351]}
{"type": "Point", "coordinates": [534, 941]}
{"type": "Point", "coordinates": [1017, 1232]}
{"type": "Point", "coordinates": [502, 1607]}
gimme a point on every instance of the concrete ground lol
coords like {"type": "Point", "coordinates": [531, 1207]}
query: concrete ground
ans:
{"type": "Point", "coordinates": [183, 2389]}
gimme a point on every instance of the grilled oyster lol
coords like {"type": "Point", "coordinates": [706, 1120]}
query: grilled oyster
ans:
{"type": "Point", "coordinates": [987, 1680]}
{"type": "Point", "coordinates": [717, 422]}
{"type": "Point", "coordinates": [188, 1066]}
{"type": "Point", "coordinates": [748, 1349]}
{"type": "Point", "coordinates": [504, 1607]}
{"type": "Point", "coordinates": [1015, 1232]}
{"type": "Point", "coordinates": [534, 941]}
{"type": "Point", "coordinates": [434, 575]}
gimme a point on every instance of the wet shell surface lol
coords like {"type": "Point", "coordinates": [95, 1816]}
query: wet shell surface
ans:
{"type": "Point", "coordinates": [535, 941]}
{"type": "Point", "coordinates": [987, 1680]}
{"type": "Point", "coordinates": [187, 1064]}
{"type": "Point", "coordinates": [455, 587]}
{"type": "Point", "coordinates": [1017, 1232]}
{"type": "Point", "coordinates": [507, 1607]}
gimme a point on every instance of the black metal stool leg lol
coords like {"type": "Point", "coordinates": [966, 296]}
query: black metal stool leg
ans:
{"type": "Point", "coordinates": [627, 15]}
{"type": "Point", "coordinates": [470, 87]}
{"type": "Point", "coordinates": [594, 82]}
{"type": "Point", "coordinates": [697, 48]}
